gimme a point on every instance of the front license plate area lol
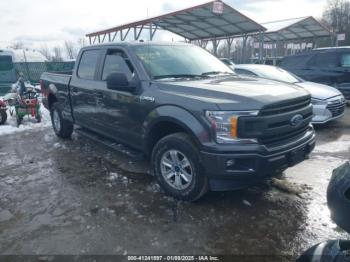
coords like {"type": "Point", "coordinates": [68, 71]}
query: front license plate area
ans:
{"type": "Point", "coordinates": [297, 156]}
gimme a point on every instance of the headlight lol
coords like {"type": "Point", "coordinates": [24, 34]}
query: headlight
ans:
{"type": "Point", "coordinates": [225, 125]}
{"type": "Point", "coordinates": [315, 102]}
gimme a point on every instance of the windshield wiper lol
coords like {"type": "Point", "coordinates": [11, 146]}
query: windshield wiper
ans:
{"type": "Point", "coordinates": [217, 73]}
{"type": "Point", "coordinates": [177, 76]}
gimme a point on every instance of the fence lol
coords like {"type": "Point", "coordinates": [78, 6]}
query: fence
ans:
{"type": "Point", "coordinates": [31, 70]}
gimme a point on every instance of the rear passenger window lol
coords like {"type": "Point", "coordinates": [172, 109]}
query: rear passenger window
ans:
{"type": "Point", "coordinates": [345, 60]}
{"type": "Point", "coordinates": [88, 63]}
{"type": "Point", "coordinates": [117, 62]}
{"type": "Point", "coordinates": [325, 60]}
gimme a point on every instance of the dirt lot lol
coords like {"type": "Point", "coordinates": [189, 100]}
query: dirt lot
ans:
{"type": "Point", "coordinates": [77, 197]}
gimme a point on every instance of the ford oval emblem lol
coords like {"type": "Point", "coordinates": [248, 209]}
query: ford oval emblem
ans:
{"type": "Point", "coordinates": [296, 120]}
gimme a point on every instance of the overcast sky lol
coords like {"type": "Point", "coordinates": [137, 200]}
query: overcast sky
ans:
{"type": "Point", "coordinates": [49, 22]}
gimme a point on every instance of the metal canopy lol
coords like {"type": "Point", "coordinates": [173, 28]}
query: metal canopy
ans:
{"type": "Point", "coordinates": [295, 29]}
{"type": "Point", "coordinates": [200, 22]}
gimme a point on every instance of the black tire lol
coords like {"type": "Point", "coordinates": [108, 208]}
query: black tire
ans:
{"type": "Point", "coordinates": [3, 117]}
{"type": "Point", "coordinates": [65, 128]}
{"type": "Point", "coordinates": [19, 120]}
{"type": "Point", "coordinates": [182, 143]}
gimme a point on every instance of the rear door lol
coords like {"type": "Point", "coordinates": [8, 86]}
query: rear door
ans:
{"type": "Point", "coordinates": [323, 68]}
{"type": "Point", "coordinates": [82, 88]}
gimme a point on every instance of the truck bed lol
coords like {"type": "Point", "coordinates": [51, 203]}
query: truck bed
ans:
{"type": "Point", "coordinates": [56, 83]}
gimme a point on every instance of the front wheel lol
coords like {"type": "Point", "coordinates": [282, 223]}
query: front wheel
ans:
{"type": "Point", "coordinates": [176, 164]}
{"type": "Point", "coordinates": [62, 127]}
{"type": "Point", "coordinates": [3, 117]}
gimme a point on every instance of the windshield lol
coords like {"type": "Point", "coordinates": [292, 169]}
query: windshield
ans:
{"type": "Point", "coordinates": [276, 73]}
{"type": "Point", "coordinates": [179, 61]}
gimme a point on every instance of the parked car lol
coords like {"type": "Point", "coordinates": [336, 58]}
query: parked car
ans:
{"type": "Point", "coordinates": [203, 127]}
{"type": "Point", "coordinates": [328, 103]}
{"type": "Point", "coordinates": [329, 66]}
{"type": "Point", "coordinates": [228, 62]}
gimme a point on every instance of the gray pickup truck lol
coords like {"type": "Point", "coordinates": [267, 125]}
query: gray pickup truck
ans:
{"type": "Point", "coordinates": [202, 126]}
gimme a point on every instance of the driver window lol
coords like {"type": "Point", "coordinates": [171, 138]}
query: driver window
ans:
{"type": "Point", "coordinates": [117, 62]}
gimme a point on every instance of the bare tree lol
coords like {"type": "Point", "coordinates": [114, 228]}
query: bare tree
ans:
{"type": "Point", "coordinates": [71, 51]}
{"type": "Point", "coordinates": [82, 42]}
{"type": "Point", "coordinates": [17, 45]}
{"type": "Point", "coordinates": [57, 50]}
{"type": "Point", "coordinates": [45, 51]}
{"type": "Point", "coordinates": [337, 17]}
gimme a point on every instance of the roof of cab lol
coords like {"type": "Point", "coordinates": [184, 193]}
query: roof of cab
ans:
{"type": "Point", "coordinates": [137, 43]}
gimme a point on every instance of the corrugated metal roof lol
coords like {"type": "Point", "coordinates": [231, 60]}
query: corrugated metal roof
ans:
{"type": "Point", "coordinates": [295, 28]}
{"type": "Point", "coordinates": [198, 22]}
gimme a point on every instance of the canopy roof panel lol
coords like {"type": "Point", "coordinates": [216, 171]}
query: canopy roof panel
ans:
{"type": "Point", "coordinates": [197, 23]}
{"type": "Point", "coordinates": [294, 29]}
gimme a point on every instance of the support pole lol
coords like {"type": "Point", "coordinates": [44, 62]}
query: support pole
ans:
{"type": "Point", "coordinates": [261, 46]}
{"type": "Point", "coordinates": [229, 46]}
{"type": "Point", "coordinates": [245, 38]}
{"type": "Point", "coordinates": [215, 46]}
{"type": "Point", "coordinates": [150, 32]}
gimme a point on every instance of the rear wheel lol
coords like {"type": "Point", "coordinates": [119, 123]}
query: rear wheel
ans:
{"type": "Point", "coordinates": [176, 164]}
{"type": "Point", "coordinates": [62, 127]}
{"type": "Point", "coordinates": [3, 117]}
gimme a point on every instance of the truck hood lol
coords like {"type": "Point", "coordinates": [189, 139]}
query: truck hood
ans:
{"type": "Point", "coordinates": [319, 91]}
{"type": "Point", "coordinates": [234, 92]}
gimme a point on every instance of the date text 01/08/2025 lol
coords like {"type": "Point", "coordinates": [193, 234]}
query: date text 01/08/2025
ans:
{"type": "Point", "coordinates": [173, 258]}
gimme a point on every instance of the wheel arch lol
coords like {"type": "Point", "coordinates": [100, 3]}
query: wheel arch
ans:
{"type": "Point", "coordinates": [167, 120]}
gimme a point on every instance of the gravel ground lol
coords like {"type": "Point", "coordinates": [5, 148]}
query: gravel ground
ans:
{"type": "Point", "coordinates": [76, 197]}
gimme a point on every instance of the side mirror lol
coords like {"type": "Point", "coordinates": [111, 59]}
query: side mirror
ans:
{"type": "Point", "coordinates": [119, 81]}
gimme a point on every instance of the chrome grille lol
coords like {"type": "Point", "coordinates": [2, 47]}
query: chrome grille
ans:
{"type": "Point", "coordinates": [337, 106]}
{"type": "Point", "coordinates": [288, 106]}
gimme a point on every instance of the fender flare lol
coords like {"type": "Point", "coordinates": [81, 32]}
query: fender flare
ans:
{"type": "Point", "coordinates": [64, 102]}
{"type": "Point", "coordinates": [179, 116]}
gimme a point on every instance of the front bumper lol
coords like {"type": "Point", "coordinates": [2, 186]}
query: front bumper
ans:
{"type": "Point", "coordinates": [322, 115]}
{"type": "Point", "coordinates": [333, 109]}
{"type": "Point", "coordinates": [241, 168]}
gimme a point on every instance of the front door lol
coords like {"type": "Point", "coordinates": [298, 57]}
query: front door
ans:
{"type": "Point", "coordinates": [119, 113]}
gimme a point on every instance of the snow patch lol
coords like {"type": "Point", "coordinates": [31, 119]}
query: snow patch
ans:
{"type": "Point", "coordinates": [334, 146]}
{"type": "Point", "coordinates": [30, 123]}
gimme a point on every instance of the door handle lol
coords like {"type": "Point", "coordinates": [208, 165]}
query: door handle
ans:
{"type": "Point", "coordinates": [74, 89]}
